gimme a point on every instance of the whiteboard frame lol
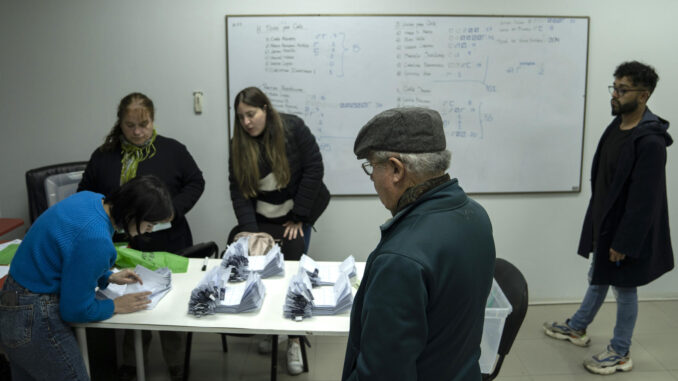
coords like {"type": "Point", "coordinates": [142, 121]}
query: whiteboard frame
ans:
{"type": "Point", "coordinates": [229, 106]}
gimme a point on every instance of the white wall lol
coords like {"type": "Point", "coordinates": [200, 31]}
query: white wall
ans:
{"type": "Point", "coordinates": [64, 65]}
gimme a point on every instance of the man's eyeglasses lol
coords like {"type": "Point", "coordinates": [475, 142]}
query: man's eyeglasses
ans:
{"type": "Point", "coordinates": [620, 90]}
{"type": "Point", "coordinates": [368, 168]}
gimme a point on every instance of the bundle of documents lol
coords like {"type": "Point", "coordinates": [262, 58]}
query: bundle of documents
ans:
{"type": "Point", "coordinates": [298, 298]}
{"type": "Point", "coordinates": [304, 301]}
{"type": "Point", "coordinates": [205, 295]}
{"type": "Point", "coordinates": [268, 265]}
{"type": "Point", "coordinates": [326, 274]}
{"type": "Point", "coordinates": [335, 299]}
{"type": "Point", "coordinates": [236, 257]}
{"type": "Point", "coordinates": [215, 295]}
{"type": "Point", "coordinates": [243, 297]}
{"type": "Point", "coordinates": [271, 264]}
{"type": "Point", "coordinates": [158, 282]}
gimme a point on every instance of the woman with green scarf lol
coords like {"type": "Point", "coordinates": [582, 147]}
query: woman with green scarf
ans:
{"type": "Point", "coordinates": [134, 148]}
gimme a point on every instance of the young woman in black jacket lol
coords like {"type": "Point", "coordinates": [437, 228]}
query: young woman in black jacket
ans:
{"type": "Point", "coordinates": [275, 176]}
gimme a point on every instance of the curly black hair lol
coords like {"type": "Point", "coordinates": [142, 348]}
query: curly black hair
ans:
{"type": "Point", "coordinates": [639, 73]}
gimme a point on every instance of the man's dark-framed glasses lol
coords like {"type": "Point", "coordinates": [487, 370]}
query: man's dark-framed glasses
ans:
{"type": "Point", "coordinates": [620, 90]}
{"type": "Point", "coordinates": [368, 168]}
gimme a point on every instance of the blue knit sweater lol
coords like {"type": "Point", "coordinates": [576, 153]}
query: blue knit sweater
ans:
{"type": "Point", "coordinates": [68, 251]}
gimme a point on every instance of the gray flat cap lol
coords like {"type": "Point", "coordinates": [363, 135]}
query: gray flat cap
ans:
{"type": "Point", "coordinates": [403, 130]}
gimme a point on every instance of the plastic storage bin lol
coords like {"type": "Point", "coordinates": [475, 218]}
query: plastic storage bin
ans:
{"type": "Point", "coordinates": [497, 309]}
{"type": "Point", "coordinates": [60, 186]}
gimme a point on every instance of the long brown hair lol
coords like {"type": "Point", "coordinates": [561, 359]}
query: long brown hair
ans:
{"type": "Point", "coordinates": [112, 140]}
{"type": "Point", "coordinates": [245, 149]}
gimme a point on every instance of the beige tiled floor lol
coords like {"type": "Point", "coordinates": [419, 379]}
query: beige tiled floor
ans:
{"type": "Point", "coordinates": [534, 356]}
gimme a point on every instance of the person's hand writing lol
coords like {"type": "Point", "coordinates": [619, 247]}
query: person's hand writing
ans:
{"type": "Point", "coordinates": [616, 256]}
{"type": "Point", "coordinates": [292, 229]}
{"type": "Point", "coordinates": [125, 276]}
{"type": "Point", "coordinates": [131, 302]}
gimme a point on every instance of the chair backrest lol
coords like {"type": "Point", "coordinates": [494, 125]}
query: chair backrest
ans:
{"type": "Point", "coordinates": [514, 286]}
{"type": "Point", "coordinates": [201, 250]}
{"type": "Point", "coordinates": [50, 184]}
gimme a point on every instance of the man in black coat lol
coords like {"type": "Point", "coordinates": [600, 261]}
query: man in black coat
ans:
{"type": "Point", "coordinates": [627, 223]}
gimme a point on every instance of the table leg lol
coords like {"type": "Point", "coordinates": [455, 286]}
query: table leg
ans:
{"type": "Point", "coordinates": [274, 357]}
{"type": "Point", "coordinates": [302, 344]}
{"type": "Point", "coordinates": [187, 354]}
{"type": "Point", "coordinates": [81, 334]}
{"type": "Point", "coordinates": [139, 353]}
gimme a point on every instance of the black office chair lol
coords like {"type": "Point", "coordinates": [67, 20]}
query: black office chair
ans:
{"type": "Point", "coordinates": [514, 286]}
{"type": "Point", "coordinates": [50, 184]}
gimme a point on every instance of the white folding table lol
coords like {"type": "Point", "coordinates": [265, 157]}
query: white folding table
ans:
{"type": "Point", "coordinates": [171, 315]}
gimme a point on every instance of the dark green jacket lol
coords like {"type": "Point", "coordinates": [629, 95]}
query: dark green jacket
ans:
{"type": "Point", "coordinates": [419, 311]}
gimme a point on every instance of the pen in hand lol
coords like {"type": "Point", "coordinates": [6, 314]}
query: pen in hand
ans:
{"type": "Point", "coordinates": [204, 264]}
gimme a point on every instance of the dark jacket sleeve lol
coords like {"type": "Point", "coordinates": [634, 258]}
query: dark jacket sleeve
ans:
{"type": "Point", "coordinates": [243, 207]}
{"type": "Point", "coordinates": [393, 316]}
{"type": "Point", "coordinates": [192, 183]}
{"type": "Point", "coordinates": [312, 170]}
{"type": "Point", "coordinates": [644, 199]}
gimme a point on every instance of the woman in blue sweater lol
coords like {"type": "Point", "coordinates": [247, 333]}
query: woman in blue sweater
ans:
{"type": "Point", "coordinates": [65, 255]}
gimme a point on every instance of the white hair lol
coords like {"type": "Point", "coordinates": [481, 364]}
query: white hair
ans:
{"type": "Point", "coordinates": [427, 164]}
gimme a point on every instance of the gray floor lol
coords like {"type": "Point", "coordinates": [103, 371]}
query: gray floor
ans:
{"type": "Point", "coordinates": [534, 357]}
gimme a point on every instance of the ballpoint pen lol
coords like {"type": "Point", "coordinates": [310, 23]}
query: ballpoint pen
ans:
{"type": "Point", "coordinates": [204, 264]}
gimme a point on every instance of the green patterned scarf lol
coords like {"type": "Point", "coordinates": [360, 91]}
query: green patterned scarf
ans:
{"type": "Point", "coordinates": [132, 155]}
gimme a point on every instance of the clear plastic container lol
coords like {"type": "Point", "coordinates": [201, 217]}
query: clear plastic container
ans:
{"type": "Point", "coordinates": [497, 309]}
{"type": "Point", "coordinates": [61, 185]}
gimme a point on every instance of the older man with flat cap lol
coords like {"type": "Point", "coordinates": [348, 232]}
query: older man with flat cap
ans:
{"type": "Point", "coordinates": [419, 311]}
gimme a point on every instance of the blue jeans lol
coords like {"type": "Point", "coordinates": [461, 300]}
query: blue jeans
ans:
{"type": "Point", "coordinates": [627, 312]}
{"type": "Point", "coordinates": [307, 236]}
{"type": "Point", "coordinates": [40, 345]}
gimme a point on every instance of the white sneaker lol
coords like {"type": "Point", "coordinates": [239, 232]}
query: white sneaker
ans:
{"type": "Point", "coordinates": [294, 363]}
{"type": "Point", "coordinates": [608, 362]}
{"type": "Point", "coordinates": [265, 346]}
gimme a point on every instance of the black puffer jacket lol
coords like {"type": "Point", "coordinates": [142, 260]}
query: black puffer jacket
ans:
{"type": "Point", "coordinates": [306, 187]}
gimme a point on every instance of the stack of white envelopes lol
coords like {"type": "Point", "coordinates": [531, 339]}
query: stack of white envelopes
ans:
{"type": "Point", "coordinates": [326, 274]}
{"type": "Point", "coordinates": [332, 300]}
{"type": "Point", "coordinates": [214, 293]}
{"type": "Point", "coordinates": [303, 301]}
{"type": "Point", "coordinates": [243, 297]}
{"type": "Point", "coordinates": [158, 282]}
{"type": "Point", "coordinates": [268, 265]}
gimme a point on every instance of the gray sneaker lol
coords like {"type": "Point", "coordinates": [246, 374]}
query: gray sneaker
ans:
{"type": "Point", "coordinates": [608, 362]}
{"type": "Point", "coordinates": [562, 331]}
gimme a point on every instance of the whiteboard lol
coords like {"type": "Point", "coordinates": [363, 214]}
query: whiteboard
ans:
{"type": "Point", "coordinates": [511, 90]}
